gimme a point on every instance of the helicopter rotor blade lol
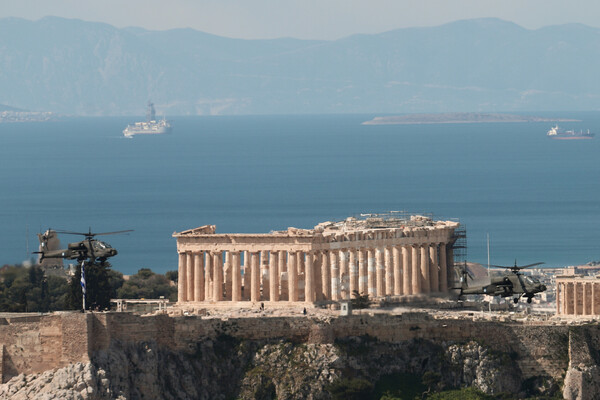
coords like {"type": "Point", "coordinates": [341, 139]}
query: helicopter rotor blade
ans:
{"type": "Point", "coordinates": [71, 233]}
{"type": "Point", "coordinates": [530, 265]}
{"type": "Point", "coordinates": [90, 234]}
{"type": "Point", "coordinates": [113, 233]}
{"type": "Point", "coordinates": [515, 266]}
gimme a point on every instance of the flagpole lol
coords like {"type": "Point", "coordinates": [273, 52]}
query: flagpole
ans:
{"type": "Point", "coordinates": [488, 251]}
{"type": "Point", "coordinates": [83, 284]}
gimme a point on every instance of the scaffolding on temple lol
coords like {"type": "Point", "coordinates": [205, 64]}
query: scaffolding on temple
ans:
{"type": "Point", "coordinates": [459, 250]}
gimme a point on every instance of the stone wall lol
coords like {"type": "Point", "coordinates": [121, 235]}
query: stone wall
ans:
{"type": "Point", "coordinates": [35, 344]}
{"type": "Point", "coordinates": [536, 349]}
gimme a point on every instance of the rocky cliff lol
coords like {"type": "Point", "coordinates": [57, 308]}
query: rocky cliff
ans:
{"type": "Point", "coordinates": [133, 357]}
{"type": "Point", "coordinates": [229, 368]}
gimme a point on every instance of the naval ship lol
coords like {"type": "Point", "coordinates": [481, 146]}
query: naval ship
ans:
{"type": "Point", "coordinates": [150, 127]}
{"type": "Point", "coordinates": [557, 133]}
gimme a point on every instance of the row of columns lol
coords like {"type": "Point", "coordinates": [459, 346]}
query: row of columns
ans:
{"type": "Point", "coordinates": [313, 275]}
{"type": "Point", "coordinates": [577, 297]}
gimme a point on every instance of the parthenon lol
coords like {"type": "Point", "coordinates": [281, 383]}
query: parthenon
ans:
{"type": "Point", "coordinates": [381, 255]}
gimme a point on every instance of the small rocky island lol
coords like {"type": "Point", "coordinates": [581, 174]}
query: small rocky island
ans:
{"type": "Point", "coordinates": [12, 114]}
{"type": "Point", "coordinates": [458, 118]}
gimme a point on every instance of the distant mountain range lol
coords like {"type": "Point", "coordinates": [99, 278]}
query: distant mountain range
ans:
{"type": "Point", "coordinates": [87, 68]}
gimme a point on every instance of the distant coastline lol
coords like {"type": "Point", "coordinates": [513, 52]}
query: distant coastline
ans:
{"type": "Point", "coordinates": [459, 118]}
{"type": "Point", "coordinates": [26, 116]}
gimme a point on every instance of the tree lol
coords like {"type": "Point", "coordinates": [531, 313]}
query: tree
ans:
{"type": "Point", "coordinates": [350, 389]}
{"type": "Point", "coordinates": [28, 289]}
{"type": "Point", "coordinates": [100, 287]}
{"type": "Point", "coordinates": [172, 275]}
{"type": "Point", "coordinates": [147, 285]}
{"type": "Point", "coordinates": [57, 292]}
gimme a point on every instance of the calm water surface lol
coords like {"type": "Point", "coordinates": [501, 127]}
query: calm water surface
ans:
{"type": "Point", "coordinates": [537, 198]}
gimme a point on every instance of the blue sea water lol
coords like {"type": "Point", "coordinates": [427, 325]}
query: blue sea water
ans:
{"type": "Point", "coordinates": [537, 198]}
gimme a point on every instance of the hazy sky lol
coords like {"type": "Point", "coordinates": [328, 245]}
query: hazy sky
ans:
{"type": "Point", "coordinates": [306, 19]}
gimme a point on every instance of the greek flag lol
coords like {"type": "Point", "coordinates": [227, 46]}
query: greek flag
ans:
{"type": "Point", "coordinates": [83, 278]}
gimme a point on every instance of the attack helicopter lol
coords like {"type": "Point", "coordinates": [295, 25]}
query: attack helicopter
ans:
{"type": "Point", "coordinates": [89, 249]}
{"type": "Point", "coordinates": [512, 283]}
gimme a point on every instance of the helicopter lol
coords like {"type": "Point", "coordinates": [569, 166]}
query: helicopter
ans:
{"type": "Point", "coordinates": [510, 284]}
{"type": "Point", "coordinates": [89, 249]}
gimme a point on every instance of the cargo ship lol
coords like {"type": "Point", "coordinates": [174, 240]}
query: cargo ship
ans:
{"type": "Point", "coordinates": [557, 133]}
{"type": "Point", "coordinates": [150, 127]}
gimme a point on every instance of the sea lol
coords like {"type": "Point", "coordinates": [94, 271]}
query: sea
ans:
{"type": "Point", "coordinates": [536, 199]}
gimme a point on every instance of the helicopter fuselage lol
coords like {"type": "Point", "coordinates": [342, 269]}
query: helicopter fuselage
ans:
{"type": "Point", "coordinates": [86, 249]}
{"type": "Point", "coordinates": [509, 285]}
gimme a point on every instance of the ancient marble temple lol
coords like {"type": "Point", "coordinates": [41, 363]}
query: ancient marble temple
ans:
{"type": "Point", "coordinates": [380, 255]}
{"type": "Point", "coordinates": [577, 295]}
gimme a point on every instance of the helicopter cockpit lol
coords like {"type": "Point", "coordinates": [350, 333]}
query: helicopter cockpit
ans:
{"type": "Point", "coordinates": [531, 280]}
{"type": "Point", "coordinates": [98, 245]}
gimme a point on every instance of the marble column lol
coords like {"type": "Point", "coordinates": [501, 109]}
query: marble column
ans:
{"type": "Point", "coordinates": [388, 261]}
{"type": "Point", "coordinates": [398, 278]}
{"type": "Point", "coordinates": [309, 278]}
{"type": "Point", "coordinates": [594, 309]}
{"type": "Point", "coordinates": [301, 266]}
{"type": "Point", "coordinates": [353, 268]}
{"type": "Point", "coordinates": [283, 276]}
{"type": "Point", "coordinates": [318, 278]}
{"type": "Point", "coordinates": [236, 277]}
{"type": "Point", "coordinates": [585, 298]}
{"type": "Point", "coordinates": [255, 277]}
{"type": "Point", "coordinates": [443, 269]}
{"type": "Point", "coordinates": [181, 277]}
{"type": "Point", "coordinates": [434, 269]}
{"type": "Point", "coordinates": [247, 276]}
{"type": "Point", "coordinates": [208, 276]}
{"type": "Point", "coordinates": [344, 275]}
{"type": "Point", "coordinates": [264, 274]}
{"type": "Point", "coordinates": [425, 269]}
{"type": "Point", "coordinates": [228, 276]}
{"type": "Point", "coordinates": [406, 270]}
{"type": "Point", "coordinates": [218, 276]}
{"type": "Point", "coordinates": [292, 276]}
{"type": "Point", "coordinates": [190, 277]}
{"type": "Point", "coordinates": [575, 298]}
{"type": "Point", "coordinates": [565, 298]}
{"type": "Point", "coordinates": [371, 273]}
{"type": "Point", "coordinates": [379, 273]}
{"type": "Point", "coordinates": [199, 276]}
{"type": "Point", "coordinates": [558, 298]}
{"type": "Point", "coordinates": [335, 275]}
{"type": "Point", "coordinates": [560, 293]}
{"type": "Point", "coordinates": [326, 275]}
{"type": "Point", "coordinates": [568, 298]}
{"type": "Point", "coordinates": [274, 276]}
{"type": "Point", "coordinates": [416, 273]}
{"type": "Point", "coordinates": [362, 272]}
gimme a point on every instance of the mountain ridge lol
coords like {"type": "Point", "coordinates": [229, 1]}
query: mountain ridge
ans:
{"type": "Point", "coordinates": [77, 67]}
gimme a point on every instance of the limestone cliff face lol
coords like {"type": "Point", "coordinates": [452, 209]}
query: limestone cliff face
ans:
{"type": "Point", "coordinates": [581, 380]}
{"type": "Point", "coordinates": [226, 368]}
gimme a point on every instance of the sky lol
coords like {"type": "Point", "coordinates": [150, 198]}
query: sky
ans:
{"type": "Point", "coordinates": [303, 19]}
